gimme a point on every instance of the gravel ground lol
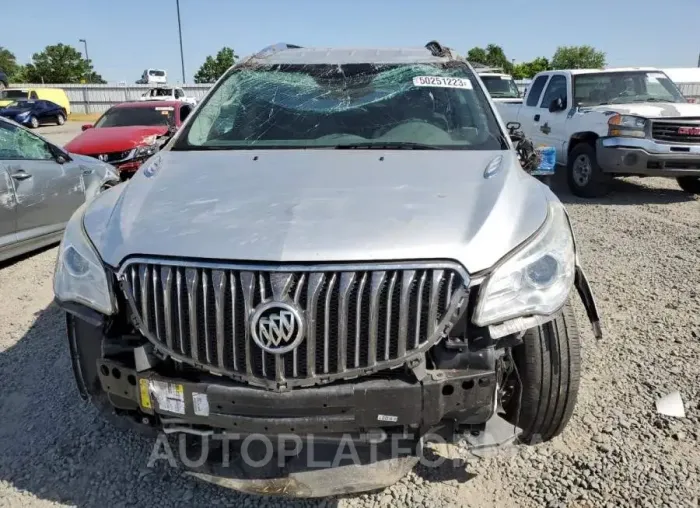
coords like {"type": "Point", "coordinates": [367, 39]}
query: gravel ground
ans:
{"type": "Point", "coordinates": [640, 249]}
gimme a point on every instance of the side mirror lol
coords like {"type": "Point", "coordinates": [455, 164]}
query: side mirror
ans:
{"type": "Point", "coordinates": [557, 105]}
{"type": "Point", "coordinates": [86, 126]}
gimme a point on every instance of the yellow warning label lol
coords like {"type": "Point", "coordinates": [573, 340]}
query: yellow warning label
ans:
{"type": "Point", "coordinates": [145, 396]}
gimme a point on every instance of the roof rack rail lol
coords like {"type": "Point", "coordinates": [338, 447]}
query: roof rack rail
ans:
{"type": "Point", "coordinates": [275, 48]}
{"type": "Point", "coordinates": [437, 49]}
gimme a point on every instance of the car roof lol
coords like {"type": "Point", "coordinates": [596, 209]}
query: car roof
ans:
{"type": "Point", "coordinates": [575, 72]}
{"type": "Point", "coordinates": [349, 56]}
{"type": "Point", "coordinates": [148, 104]}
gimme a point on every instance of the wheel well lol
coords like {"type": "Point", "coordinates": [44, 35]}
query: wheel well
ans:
{"type": "Point", "coordinates": [581, 137]}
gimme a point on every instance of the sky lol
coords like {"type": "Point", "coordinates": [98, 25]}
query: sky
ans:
{"type": "Point", "coordinates": [125, 37]}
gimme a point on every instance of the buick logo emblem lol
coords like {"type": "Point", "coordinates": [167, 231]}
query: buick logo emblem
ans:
{"type": "Point", "coordinates": [277, 327]}
{"type": "Point", "coordinates": [102, 157]}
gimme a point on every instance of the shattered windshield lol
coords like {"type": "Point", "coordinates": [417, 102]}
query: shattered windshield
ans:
{"type": "Point", "coordinates": [624, 88]}
{"type": "Point", "coordinates": [355, 105]}
{"type": "Point", "coordinates": [501, 87]}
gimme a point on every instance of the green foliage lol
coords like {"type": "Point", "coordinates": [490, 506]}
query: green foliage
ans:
{"type": "Point", "coordinates": [60, 63]}
{"type": "Point", "coordinates": [8, 63]}
{"type": "Point", "coordinates": [527, 70]}
{"type": "Point", "coordinates": [578, 57]}
{"type": "Point", "coordinates": [214, 67]}
{"type": "Point", "coordinates": [493, 56]}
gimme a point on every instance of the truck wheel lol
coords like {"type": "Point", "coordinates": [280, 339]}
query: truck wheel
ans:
{"type": "Point", "coordinates": [689, 183]}
{"type": "Point", "coordinates": [586, 178]}
{"type": "Point", "coordinates": [548, 364]}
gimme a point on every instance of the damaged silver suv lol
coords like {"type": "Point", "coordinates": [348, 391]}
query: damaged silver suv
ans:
{"type": "Point", "coordinates": [336, 243]}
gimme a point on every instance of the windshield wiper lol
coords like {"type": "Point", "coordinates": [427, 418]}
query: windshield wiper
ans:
{"type": "Point", "coordinates": [389, 145]}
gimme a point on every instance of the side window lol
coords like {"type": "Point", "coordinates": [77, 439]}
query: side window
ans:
{"type": "Point", "coordinates": [535, 91]}
{"type": "Point", "coordinates": [185, 112]}
{"type": "Point", "coordinates": [33, 95]}
{"type": "Point", "coordinates": [555, 90]}
{"type": "Point", "coordinates": [179, 93]}
{"type": "Point", "coordinates": [18, 144]}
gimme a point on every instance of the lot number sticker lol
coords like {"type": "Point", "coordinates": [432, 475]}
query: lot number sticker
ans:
{"type": "Point", "coordinates": [200, 402]}
{"type": "Point", "coordinates": [442, 82]}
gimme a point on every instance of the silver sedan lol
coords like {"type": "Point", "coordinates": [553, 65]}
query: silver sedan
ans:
{"type": "Point", "coordinates": [41, 185]}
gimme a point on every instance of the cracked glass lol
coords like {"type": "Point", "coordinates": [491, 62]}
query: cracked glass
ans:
{"type": "Point", "coordinates": [349, 105]}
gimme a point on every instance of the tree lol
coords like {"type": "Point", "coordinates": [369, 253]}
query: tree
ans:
{"type": "Point", "coordinates": [527, 70]}
{"type": "Point", "coordinates": [61, 63]}
{"type": "Point", "coordinates": [493, 56]}
{"type": "Point", "coordinates": [8, 63]}
{"type": "Point", "coordinates": [213, 68]}
{"type": "Point", "coordinates": [578, 57]}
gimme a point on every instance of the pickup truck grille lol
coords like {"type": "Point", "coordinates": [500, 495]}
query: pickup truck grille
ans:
{"type": "Point", "coordinates": [677, 131]}
{"type": "Point", "coordinates": [356, 319]}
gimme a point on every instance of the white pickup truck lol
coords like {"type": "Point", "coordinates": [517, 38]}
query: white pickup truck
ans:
{"type": "Point", "coordinates": [501, 86]}
{"type": "Point", "coordinates": [166, 93]}
{"type": "Point", "coordinates": [612, 122]}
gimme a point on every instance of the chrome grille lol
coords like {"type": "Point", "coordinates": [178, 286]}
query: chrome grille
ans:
{"type": "Point", "coordinates": [113, 156]}
{"type": "Point", "coordinates": [672, 131]}
{"type": "Point", "coordinates": [359, 319]}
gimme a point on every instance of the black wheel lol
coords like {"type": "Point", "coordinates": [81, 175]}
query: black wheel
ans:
{"type": "Point", "coordinates": [545, 381]}
{"type": "Point", "coordinates": [60, 119]}
{"type": "Point", "coordinates": [33, 122]}
{"type": "Point", "coordinates": [586, 178]}
{"type": "Point", "coordinates": [689, 183]}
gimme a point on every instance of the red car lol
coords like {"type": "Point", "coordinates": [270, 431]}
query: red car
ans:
{"type": "Point", "coordinates": [127, 134]}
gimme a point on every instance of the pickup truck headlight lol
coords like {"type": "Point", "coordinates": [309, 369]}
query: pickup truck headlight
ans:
{"type": "Point", "coordinates": [627, 126]}
{"type": "Point", "coordinates": [536, 279]}
{"type": "Point", "coordinates": [80, 276]}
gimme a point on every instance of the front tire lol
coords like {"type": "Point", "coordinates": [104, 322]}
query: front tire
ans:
{"type": "Point", "coordinates": [585, 176]}
{"type": "Point", "coordinates": [689, 184]}
{"type": "Point", "coordinates": [548, 363]}
{"type": "Point", "coordinates": [33, 122]}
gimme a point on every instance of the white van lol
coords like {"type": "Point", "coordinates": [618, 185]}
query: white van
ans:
{"type": "Point", "coordinates": [153, 76]}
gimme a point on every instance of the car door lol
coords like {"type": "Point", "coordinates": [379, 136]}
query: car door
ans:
{"type": "Point", "coordinates": [8, 211]}
{"type": "Point", "coordinates": [39, 111]}
{"type": "Point", "coordinates": [551, 130]}
{"type": "Point", "coordinates": [529, 117]}
{"type": "Point", "coordinates": [48, 186]}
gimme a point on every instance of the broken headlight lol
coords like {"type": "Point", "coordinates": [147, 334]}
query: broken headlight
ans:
{"type": "Point", "coordinates": [80, 276]}
{"type": "Point", "coordinates": [534, 280]}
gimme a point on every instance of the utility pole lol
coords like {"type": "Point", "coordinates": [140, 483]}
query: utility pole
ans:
{"type": "Point", "coordinates": [87, 58]}
{"type": "Point", "coordinates": [179, 30]}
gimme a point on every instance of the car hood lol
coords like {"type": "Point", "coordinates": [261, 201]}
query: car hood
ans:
{"type": "Point", "coordinates": [113, 139]}
{"type": "Point", "coordinates": [320, 205]}
{"type": "Point", "coordinates": [651, 109]}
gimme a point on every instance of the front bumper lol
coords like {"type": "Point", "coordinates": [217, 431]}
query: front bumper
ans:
{"type": "Point", "coordinates": [207, 401]}
{"type": "Point", "coordinates": [647, 157]}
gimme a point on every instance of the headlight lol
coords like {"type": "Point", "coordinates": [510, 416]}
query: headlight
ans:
{"type": "Point", "coordinates": [145, 151]}
{"type": "Point", "coordinates": [627, 126]}
{"type": "Point", "coordinates": [535, 280]}
{"type": "Point", "coordinates": [80, 276]}
{"type": "Point", "coordinates": [23, 114]}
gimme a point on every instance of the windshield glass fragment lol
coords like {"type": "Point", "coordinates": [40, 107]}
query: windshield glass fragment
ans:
{"type": "Point", "coordinates": [359, 105]}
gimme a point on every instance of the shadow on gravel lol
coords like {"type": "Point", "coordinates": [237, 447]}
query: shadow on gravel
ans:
{"type": "Point", "coordinates": [623, 192]}
{"type": "Point", "coordinates": [55, 446]}
{"type": "Point", "coordinates": [18, 259]}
